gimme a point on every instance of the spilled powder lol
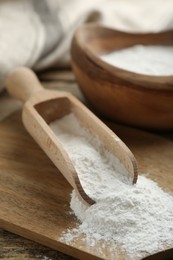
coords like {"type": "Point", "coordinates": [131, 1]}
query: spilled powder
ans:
{"type": "Point", "coordinates": [148, 60]}
{"type": "Point", "coordinates": [139, 218]}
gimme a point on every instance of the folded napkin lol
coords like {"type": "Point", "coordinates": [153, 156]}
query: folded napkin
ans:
{"type": "Point", "coordinates": [37, 34]}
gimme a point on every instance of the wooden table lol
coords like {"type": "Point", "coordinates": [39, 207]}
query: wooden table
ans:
{"type": "Point", "coordinates": [13, 246]}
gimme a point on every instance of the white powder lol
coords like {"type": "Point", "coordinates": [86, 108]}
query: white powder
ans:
{"type": "Point", "coordinates": [148, 60]}
{"type": "Point", "coordinates": [139, 217]}
{"type": "Point", "coordinates": [97, 168]}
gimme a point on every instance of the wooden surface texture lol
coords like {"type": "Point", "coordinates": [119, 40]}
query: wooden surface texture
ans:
{"type": "Point", "coordinates": [12, 246]}
{"type": "Point", "coordinates": [34, 195]}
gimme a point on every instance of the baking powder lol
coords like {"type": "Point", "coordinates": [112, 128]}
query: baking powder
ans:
{"type": "Point", "coordinates": [148, 60]}
{"type": "Point", "coordinates": [137, 217]}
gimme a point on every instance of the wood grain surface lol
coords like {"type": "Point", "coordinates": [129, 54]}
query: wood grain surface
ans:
{"type": "Point", "coordinates": [34, 197]}
{"type": "Point", "coordinates": [13, 246]}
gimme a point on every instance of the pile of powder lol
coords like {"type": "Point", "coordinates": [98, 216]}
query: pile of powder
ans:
{"type": "Point", "coordinates": [137, 217]}
{"type": "Point", "coordinates": [148, 60]}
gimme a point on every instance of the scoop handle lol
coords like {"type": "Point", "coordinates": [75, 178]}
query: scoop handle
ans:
{"type": "Point", "coordinates": [22, 83]}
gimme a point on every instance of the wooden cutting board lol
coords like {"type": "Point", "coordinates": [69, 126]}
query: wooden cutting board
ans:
{"type": "Point", "coordinates": [34, 196]}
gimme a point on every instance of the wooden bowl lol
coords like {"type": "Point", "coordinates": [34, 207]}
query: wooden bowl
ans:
{"type": "Point", "coordinates": [121, 95]}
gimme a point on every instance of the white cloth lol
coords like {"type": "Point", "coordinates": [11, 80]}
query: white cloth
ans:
{"type": "Point", "coordinates": [37, 33]}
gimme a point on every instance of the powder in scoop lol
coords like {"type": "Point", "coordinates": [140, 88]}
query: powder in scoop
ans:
{"type": "Point", "coordinates": [92, 161]}
{"type": "Point", "coordinates": [148, 60]}
{"type": "Point", "coordinates": [138, 217]}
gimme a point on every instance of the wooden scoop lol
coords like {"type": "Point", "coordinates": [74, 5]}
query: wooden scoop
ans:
{"type": "Point", "coordinates": [44, 106]}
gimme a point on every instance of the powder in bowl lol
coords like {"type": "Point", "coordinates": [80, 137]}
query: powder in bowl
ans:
{"type": "Point", "coordinates": [147, 60]}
